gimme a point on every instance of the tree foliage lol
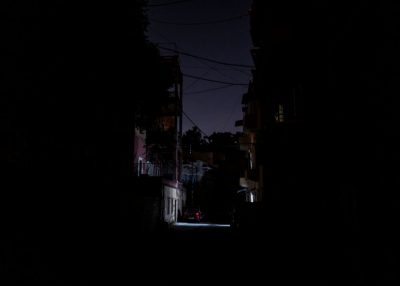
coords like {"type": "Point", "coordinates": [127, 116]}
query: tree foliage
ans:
{"type": "Point", "coordinates": [193, 140]}
{"type": "Point", "coordinates": [218, 141]}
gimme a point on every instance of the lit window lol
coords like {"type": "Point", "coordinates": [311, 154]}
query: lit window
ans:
{"type": "Point", "coordinates": [279, 115]}
{"type": "Point", "coordinates": [251, 160]}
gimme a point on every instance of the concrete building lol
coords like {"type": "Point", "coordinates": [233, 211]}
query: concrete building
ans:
{"type": "Point", "coordinates": [158, 155]}
{"type": "Point", "coordinates": [321, 113]}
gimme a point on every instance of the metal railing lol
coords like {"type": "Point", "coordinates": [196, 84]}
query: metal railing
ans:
{"type": "Point", "coordinates": [167, 170]}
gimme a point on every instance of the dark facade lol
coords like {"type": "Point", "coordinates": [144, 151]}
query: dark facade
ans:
{"type": "Point", "coordinates": [320, 113]}
{"type": "Point", "coordinates": [158, 153]}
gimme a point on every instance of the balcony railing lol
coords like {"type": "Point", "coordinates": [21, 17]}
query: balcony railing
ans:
{"type": "Point", "coordinates": [250, 121]}
{"type": "Point", "coordinates": [147, 169]}
{"type": "Point", "coordinates": [167, 170]}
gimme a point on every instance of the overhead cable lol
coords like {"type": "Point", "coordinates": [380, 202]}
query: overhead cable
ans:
{"type": "Point", "coordinates": [205, 59]}
{"type": "Point", "coordinates": [168, 3]}
{"type": "Point", "coordinates": [190, 119]}
{"type": "Point", "coordinates": [209, 89]}
{"type": "Point", "coordinates": [212, 80]}
{"type": "Point", "coordinates": [199, 23]}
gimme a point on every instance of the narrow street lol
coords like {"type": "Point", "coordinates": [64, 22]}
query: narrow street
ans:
{"type": "Point", "coordinates": [208, 253]}
{"type": "Point", "coordinates": [121, 119]}
{"type": "Point", "coordinates": [194, 253]}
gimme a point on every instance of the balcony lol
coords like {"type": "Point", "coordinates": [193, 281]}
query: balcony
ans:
{"type": "Point", "coordinates": [239, 123]}
{"type": "Point", "coordinates": [171, 108]}
{"type": "Point", "coordinates": [252, 175]}
{"type": "Point", "coordinates": [250, 121]}
{"type": "Point", "coordinates": [147, 169]}
{"type": "Point", "coordinates": [167, 170]}
{"type": "Point", "coordinates": [162, 138]}
{"type": "Point", "coordinates": [248, 97]}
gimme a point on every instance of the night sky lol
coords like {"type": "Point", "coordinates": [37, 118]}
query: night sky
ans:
{"type": "Point", "coordinates": [218, 30]}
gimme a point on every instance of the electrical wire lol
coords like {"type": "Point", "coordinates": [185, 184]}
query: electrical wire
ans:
{"type": "Point", "coordinates": [205, 59]}
{"type": "Point", "coordinates": [204, 63]}
{"type": "Point", "coordinates": [209, 89]}
{"type": "Point", "coordinates": [168, 3]}
{"type": "Point", "coordinates": [221, 69]}
{"type": "Point", "coordinates": [212, 80]}
{"type": "Point", "coordinates": [194, 82]}
{"type": "Point", "coordinates": [191, 120]}
{"type": "Point", "coordinates": [199, 23]}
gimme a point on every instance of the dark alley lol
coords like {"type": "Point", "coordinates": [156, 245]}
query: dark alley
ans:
{"type": "Point", "coordinates": [200, 142]}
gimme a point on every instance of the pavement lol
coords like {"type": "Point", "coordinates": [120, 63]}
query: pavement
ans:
{"type": "Point", "coordinates": [198, 253]}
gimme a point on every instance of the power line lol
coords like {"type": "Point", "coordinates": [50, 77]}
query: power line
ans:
{"type": "Point", "coordinates": [203, 63]}
{"type": "Point", "coordinates": [212, 80]}
{"type": "Point", "coordinates": [200, 23]}
{"type": "Point", "coordinates": [205, 59]}
{"type": "Point", "coordinates": [216, 69]}
{"type": "Point", "coordinates": [168, 3]}
{"type": "Point", "coordinates": [188, 67]}
{"type": "Point", "coordinates": [221, 69]}
{"type": "Point", "coordinates": [210, 67]}
{"type": "Point", "coordinates": [190, 119]}
{"type": "Point", "coordinates": [210, 89]}
{"type": "Point", "coordinates": [194, 82]}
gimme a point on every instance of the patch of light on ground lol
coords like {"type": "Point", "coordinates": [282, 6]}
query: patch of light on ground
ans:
{"type": "Point", "coordinates": [211, 225]}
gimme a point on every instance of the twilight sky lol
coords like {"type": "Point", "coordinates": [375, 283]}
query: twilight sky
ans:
{"type": "Point", "coordinates": [215, 29]}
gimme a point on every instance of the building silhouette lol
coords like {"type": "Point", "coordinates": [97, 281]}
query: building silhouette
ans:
{"type": "Point", "coordinates": [320, 114]}
{"type": "Point", "coordinates": [158, 195]}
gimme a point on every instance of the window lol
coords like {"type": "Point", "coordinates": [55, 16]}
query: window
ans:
{"type": "Point", "coordinates": [175, 209]}
{"type": "Point", "coordinates": [279, 115]}
{"type": "Point", "coordinates": [140, 167]}
{"type": "Point", "coordinates": [250, 160]}
{"type": "Point", "coordinates": [170, 208]}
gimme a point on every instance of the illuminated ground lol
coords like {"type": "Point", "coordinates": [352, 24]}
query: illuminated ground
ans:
{"type": "Point", "coordinates": [189, 225]}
